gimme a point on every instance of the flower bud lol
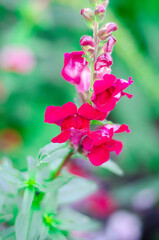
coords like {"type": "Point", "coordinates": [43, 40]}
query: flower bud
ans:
{"type": "Point", "coordinates": [108, 47]}
{"type": "Point", "coordinates": [87, 41]}
{"type": "Point", "coordinates": [87, 44]}
{"type": "Point", "coordinates": [99, 12]}
{"type": "Point", "coordinates": [106, 30]}
{"type": "Point", "coordinates": [88, 15]}
{"type": "Point", "coordinates": [104, 60]}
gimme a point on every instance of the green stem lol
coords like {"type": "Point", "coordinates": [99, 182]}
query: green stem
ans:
{"type": "Point", "coordinates": [95, 37]}
{"type": "Point", "coordinates": [62, 164]}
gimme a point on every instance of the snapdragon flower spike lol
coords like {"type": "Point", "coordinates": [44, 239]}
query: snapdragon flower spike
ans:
{"type": "Point", "coordinates": [107, 92]}
{"type": "Point", "coordinates": [97, 145]}
{"type": "Point", "coordinates": [74, 122]}
{"type": "Point", "coordinates": [76, 71]}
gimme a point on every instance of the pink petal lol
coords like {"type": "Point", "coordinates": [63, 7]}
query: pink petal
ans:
{"type": "Point", "coordinates": [87, 111]}
{"type": "Point", "coordinates": [62, 137]}
{"type": "Point", "coordinates": [104, 60]}
{"type": "Point", "coordinates": [87, 143]}
{"type": "Point", "coordinates": [74, 64]}
{"type": "Point", "coordinates": [117, 128]}
{"type": "Point", "coordinates": [75, 122]}
{"type": "Point", "coordinates": [98, 155]}
{"type": "Point", "coordinates": [114, 146]}
{"type": "Point", "coordinates": [85, 80]}
{"type": "Point", "coordinates": [101, 85]}
{"type": "Point", "coordinates": [55, 114]}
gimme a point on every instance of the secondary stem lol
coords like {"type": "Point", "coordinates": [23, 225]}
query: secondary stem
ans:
{"type": "Point", "coordinates": [62, 164]}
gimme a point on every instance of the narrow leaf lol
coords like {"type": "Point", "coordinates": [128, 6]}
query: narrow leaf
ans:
{"type": "Point", "coordinates": [21, 226]}
{"type": "Point", "coordinates": [31, 167]}
{"type": "Point", "coordinates": [75, 190]}
{"type": "Point", "coordinates": [28, 199]}
{"type": "Point", "coordinates": [75, 221]}
{"type": "Point", "coordinates": [112, 167]}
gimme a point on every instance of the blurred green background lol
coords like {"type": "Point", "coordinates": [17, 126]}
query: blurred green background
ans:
{"type": "Point", "coordinates": [51, 28]}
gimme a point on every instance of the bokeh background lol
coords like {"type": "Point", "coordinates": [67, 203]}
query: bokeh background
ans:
{"type": "Point", "coordinates": [40, 32]}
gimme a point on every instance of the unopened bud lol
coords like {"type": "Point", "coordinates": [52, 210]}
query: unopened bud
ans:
{"type": "Point", "coordinates": [87, 44]}
{"type": "Point", "coordinates": [106, 30]}
{"type": "Point", "coordinates": [87, 41]}
{"type": "Point", "coordinates": [108, 47]}
{"type": "Point", "coordinates": [104, 60]}
{"type": "Point", "coordinates": [99, 12]}
{"type": "Point", "coordinates": [88, 15]}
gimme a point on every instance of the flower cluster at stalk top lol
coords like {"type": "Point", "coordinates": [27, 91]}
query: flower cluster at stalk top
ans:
{"type": "Point", "coordinates": [99, 92]}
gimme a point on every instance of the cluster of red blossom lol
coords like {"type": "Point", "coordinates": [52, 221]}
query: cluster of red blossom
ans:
{"type": "Point", "coordinates": [107, 91]}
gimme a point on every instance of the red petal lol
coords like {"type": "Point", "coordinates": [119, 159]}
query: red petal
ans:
{"type": "Point", "coordinates": [62, 137]}
{"type": "Point", "coordinates": [75, 122]}
{"type": "Point", "coordinates": [99, 155]}
{"type": "Point", "coordinates": [114, 146]}
{"type": "Point", "coordinates": [55, 114]}
{"type": "Point", "coordinates": [88, 111]}
{"type": "Point", "coordinates": [101, 85]}
{"type": "Point", "coordinates": [117, 128]}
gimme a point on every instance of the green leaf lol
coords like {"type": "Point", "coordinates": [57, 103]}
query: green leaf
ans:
{"type": "Point", "coordinates": [21, 226]}
{"type": "Point", "coordinates": [43, 232]}
{"type": "Point", "coordinates": [31, 167]}
{"type": "Point", "coordinates": [57, 182]}
{"type": "Point", "coordinates": [57, 154]}
{"type": "Point", "coordinates": [75, 221]}
{"type": "Point", "coordinates": [8, 234]}
{"type": "Point", "coordinates": [11, 175]}
{"type": "Point", "coordinates": [35, 225]}
{"type": "Point", "coordinates": [50, 202]}
{"type": "Point", "coordinates": [75, 190]}
{"type": "Point", "coordinates": [112, 167]}
{"type": "Point", "coordinates": [57, 235]}
{"type": "Point", "coordinates": [28, 199]}
{"type": "Point", "coordinates": [47, 150]}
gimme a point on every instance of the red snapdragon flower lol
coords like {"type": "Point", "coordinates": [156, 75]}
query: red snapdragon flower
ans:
{"type": "Point", "coordinates": [98, 144]}
{"type": "Point", "coordinates": [76, 70]}
{"type": "Point", "coordinates": [74, 122]}
{"type": "Point", "coordinates": [107, 92]}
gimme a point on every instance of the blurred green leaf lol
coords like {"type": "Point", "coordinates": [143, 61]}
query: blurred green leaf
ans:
{"type": "Point", "coordinates": [112, 167]}
{"type": "Point", "coordinates": [31, 167]}
{"type": "Point", "coordinates": [75, 221]}
{"type": "Point", "coordinates": [21, 225]}
{"type": "Point", "coordinates": [28, 199]}
{"type": "Point", "coordinates": [75, 190]}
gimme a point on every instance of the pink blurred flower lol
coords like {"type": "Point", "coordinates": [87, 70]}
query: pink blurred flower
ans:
{"type": "Point", "coordinates": [98, 144]}
{"type": "Point", "coordinates": [99, 205]}
{"type": "Point", "coordinates": [19, 59]}
{"type": "Point", "coordinates": [76, 70]}
{"type": "Point", "coordinates": [107, 92]}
